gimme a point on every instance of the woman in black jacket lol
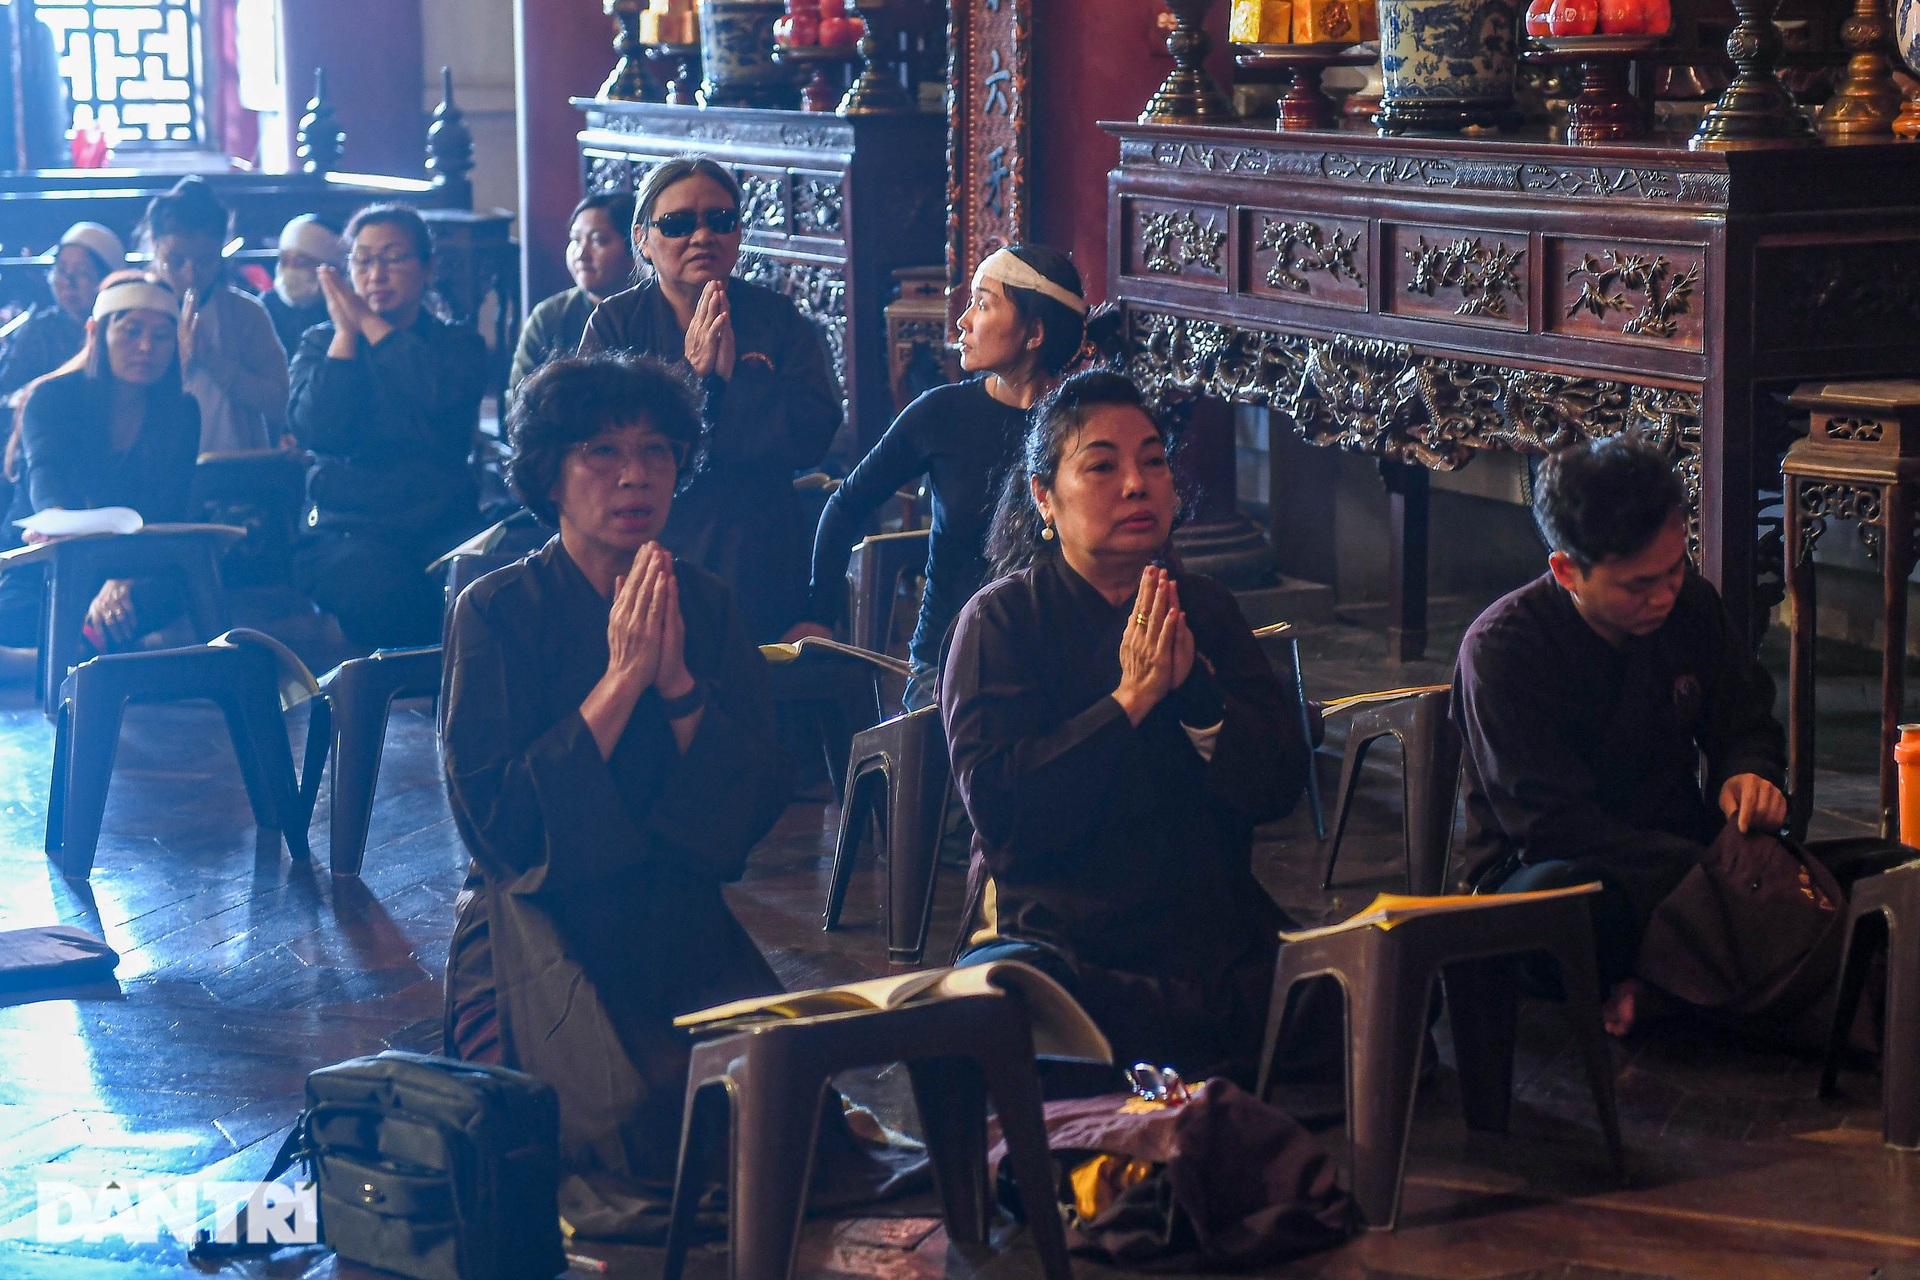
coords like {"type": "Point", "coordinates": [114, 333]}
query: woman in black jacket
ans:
{"type": "Point", "coordinates": [770, 402]}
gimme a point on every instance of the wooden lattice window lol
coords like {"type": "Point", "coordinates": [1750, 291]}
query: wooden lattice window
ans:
{"type": "Point", "coordinates": [132, 66]}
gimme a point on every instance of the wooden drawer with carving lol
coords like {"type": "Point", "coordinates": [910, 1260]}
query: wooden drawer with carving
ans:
{"type": "Point", "coordinates": [1838, 293]}
{"type": "Point", "coordinates": [1626, 291]}
{"type": "Point", "coordinates": [1306, 258]}
{"type": "Point", "coordinates": [1177, 242]}
{"type": "Point", "coordinates": [1455, 275]}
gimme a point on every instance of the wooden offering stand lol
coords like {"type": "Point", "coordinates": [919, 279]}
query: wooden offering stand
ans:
{"type": "Point", "coordinates": [1305, 105]}
{"type": "Point", "coordinates": [1604, 109]}
{"type": "Point", "coordinates": [818, 94]}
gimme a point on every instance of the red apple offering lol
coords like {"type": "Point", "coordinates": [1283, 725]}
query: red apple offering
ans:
{"type": "Point", "coordinates": [839, 32]}
{"type": "Point", "coordinates": [1659, 17]}
{"type": "Point", "coordinates": [799, 30]}
{"type": "Point", "coordinates": [1573, 17]}
{"type": "Point", "coordinates": [833, 8]}
{"type": "Point", "coordinates": [1622, 17]}
{"type": "Point", "coordinates": [1537, 22]}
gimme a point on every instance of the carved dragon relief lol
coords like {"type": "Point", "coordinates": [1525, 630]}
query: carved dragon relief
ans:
{"type": "Point", "coordinates": [1604, 287]}
{"type": "Point", "coordinates": [1385, 399]}
{"type": "Point", "coordinates": [1485, 277]}
{"type": "Point", "coordinates": [1300, 247]}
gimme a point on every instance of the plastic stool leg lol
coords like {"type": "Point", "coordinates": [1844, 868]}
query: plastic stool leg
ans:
{"type": "Point", "coordinates": [1580, 981]}
{"type": "Point", "coordinates": [703, 1128]}
{"type": "Point", "coordinates": [1014, 1086]}
{"type": "Point", "coordinates": [951, 1094]}
{"type": "Point", "coordinates": [93, 739]}
{"type": "Point", "coordinates": [1350, 765]}
{"type": "Point", "coordinates": [1389, 1030]}
{"type": "Point", "coordinates": [57, 788]}
{"type": "Point", "coordinates": [917, 790]}
{"type": "Point", "coordinates": [865, 785]}
{"type": "Point", "coordinates": [1900, 1057]}
{"type": "Point", "coordinates": [1866, 932]}
{"type": "Point", "coordinates": [1483, 1006]}
{"type": "Point", "coordinates": [776, 1120]}
{"type": "Point", "coordinates": [359, 737]}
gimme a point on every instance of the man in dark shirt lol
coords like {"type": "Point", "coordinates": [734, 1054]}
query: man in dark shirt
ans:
{"type": "Point", "coordinates": [1587, 698]}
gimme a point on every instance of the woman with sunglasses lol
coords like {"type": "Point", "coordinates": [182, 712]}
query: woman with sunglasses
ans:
{"type": "Point", "coordinates": [769, 400]}
{"type": "Point", "coordinates": [388, 399]}
{"type": "Point", "coordinates": [610, 760]}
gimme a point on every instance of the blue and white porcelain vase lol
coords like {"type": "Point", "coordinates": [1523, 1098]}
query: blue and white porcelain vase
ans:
{"type": "Point", "coordinates": [1906, 31]}
{"type": "Point", "coordinates": [736, 56]}
{"type": "Point", "coordinates": [1447, 64]}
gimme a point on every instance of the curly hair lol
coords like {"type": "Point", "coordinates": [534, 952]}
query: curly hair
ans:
{"type": "Point", "coordinates": [1014, 539]}
{"type": "Point", "coordinates": [1605, 498]}
{"type": "Point", "coordinates": [575, 398]}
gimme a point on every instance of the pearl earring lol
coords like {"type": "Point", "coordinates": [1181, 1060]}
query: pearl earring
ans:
{"type": "Point", "coordinates": [1046, 533]}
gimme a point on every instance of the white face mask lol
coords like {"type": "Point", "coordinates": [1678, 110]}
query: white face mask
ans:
{"type": "Point", "coordinates": [297, 286]}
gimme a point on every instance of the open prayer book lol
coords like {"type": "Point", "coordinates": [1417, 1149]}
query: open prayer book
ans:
{"type": "Point", "coordinates": [58, 522]}
{"type": "Point", "coordinates": [1061, 1028]}
{"type": "Point", "coordinates": [791, 652]}
{"type": "Point", "coordinates": [1389, 909]}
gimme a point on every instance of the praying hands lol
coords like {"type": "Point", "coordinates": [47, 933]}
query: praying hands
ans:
{"type": "Point", "coordinates": [710, 346]}
{"type": "Point", "coordinates": [352, 317]}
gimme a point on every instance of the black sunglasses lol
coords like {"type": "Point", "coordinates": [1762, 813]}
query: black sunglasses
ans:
{"type": "Point", "coordinates": [682, 223]}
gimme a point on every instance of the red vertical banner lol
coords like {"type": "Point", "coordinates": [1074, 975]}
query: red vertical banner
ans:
{"type": "Point", "coordinates": [989, 69]}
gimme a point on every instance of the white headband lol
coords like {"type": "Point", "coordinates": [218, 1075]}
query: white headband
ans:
{"type": "Point", "coordinates": [1007, 267]}
{"type": "Point", "coordinates": [102, 241]}
{"type": "Point", "coordinates": [136, 295]}
{"type": "Point", "coordinates": [306, 234]}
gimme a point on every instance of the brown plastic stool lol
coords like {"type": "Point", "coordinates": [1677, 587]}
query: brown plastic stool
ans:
{"type": "Point", "coordinates": [1387, 977]}
{"type": "Point", "coordinates": [360, 693]}
{"type": "Point", "coordinates": [839, 689]}
{"type": "Point", "coordinates": [873, 576]}
{"type": "Point", "coordinates": [1884, 910]}
{"type": "Point", "coordinates": [1430, 774]}
{"type": "Point", "coordinates": [772, 1077]}
{"type": "Point", "coordinates": [896, 775]}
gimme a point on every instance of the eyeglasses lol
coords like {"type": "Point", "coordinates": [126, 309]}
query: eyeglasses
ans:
{"type": "Point", "coordinates": [605, 458]}
{"type": "Point", "coordinates": [366, 263]}
{"type": "Point", "coordinates": [682, 223]}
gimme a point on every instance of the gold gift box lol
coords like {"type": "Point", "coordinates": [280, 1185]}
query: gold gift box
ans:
{"type": "Point", "coordinates": [1334, 21]}
{"type": "Point", "coordinates": [1261, 22]}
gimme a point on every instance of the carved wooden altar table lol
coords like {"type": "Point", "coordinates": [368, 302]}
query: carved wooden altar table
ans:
{"type": "Point", "coordinates": [1423, 299]}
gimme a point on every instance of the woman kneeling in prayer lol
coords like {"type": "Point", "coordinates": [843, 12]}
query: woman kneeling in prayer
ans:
{"type": "Point", "coordinates": [611, 760]}
{"type": "Point", "coordinates": [1117, 733]}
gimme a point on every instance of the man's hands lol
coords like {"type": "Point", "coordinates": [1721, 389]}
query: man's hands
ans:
{"type": "Point", "coordinates": [710, 346]}
{"type": "Point", "coordinates": [1753, 803]}
{"type": "Point", "coordinates": [1156, 649]}
{"type": "Point", "coordinates": [188, 334]}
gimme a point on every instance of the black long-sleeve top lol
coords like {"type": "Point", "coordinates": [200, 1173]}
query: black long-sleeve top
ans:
{"type": "Point", "coordinates": [1582, 752]}
{"type": "Point", "coordinates": [962, 439]}
{"type": "Point", "coordinates": [71, 461]}
{"type": "Point", "coordinates": [45, 340]}
{"type": "Point", "coordinates": [1122, 846]}
{"type": "Point", "coordinates": [551, 330]}
{"type": "Point", "coordinates": [738, 517]}
{"type": "Point", "coordinates": [391, 429]}
{"type": "Point", "coordinates": [627, 853]}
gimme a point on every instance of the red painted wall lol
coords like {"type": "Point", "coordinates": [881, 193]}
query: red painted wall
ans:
{"type": "Point", "coordinates": [563, 49]}
{"type": "Point", "coordinates": [373, 83]}
{"type": "Point", "coordinates": [1094, 60]}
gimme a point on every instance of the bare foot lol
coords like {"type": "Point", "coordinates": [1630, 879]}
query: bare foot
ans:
{"type": "Point", "coordinates": [1618, 1012]}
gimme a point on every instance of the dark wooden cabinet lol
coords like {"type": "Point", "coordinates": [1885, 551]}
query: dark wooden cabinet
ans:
{"type": "Point", "coordinates": [1423, 300]}
{"type": "Point", "coordinates": [831, 207]}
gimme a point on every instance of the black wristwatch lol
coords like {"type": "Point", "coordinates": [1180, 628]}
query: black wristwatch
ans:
{"type": "Point", "coordinates": [687, 703]}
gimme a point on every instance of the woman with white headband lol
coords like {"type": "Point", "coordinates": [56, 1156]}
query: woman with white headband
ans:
{"type": "Point", "coordinates": [294, 301]}
{"type": "Point", "coordinates": [1022, 327]}
{"type": "Point", "coordinates": [49, 335]}
{"type": "Point", "coordinates": [110, 428]}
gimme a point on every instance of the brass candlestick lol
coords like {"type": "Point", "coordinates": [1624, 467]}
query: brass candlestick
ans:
{"type": "Point", "coordinates": [1756, 110]}
{"type": "Point", "coordinates": [1189, 95]}
{"type": "Point", "coordinates": [876, 92]}
{"type": "Point", "coordinates": [627, 82]}
{"type": "Point", "coordinates": [1863, 106]}
{"type": "Point", "coordinates": [1906, 125]}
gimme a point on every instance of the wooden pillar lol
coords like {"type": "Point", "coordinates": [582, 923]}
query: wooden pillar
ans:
{"type": "Point", "coordinates": [562, 49]}
{"type": "Point", "coordinates": [1407, 487]}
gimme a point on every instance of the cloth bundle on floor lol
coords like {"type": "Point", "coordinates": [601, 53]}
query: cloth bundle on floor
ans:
{"type": "Point", "coordinates": [52, 956]}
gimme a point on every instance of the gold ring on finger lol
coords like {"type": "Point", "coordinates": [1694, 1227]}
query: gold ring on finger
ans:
{"type": "Point", "coordinates": [1141, 619]}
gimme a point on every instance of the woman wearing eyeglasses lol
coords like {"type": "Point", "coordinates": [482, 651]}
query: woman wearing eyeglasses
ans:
{"type": "Point", "coordinates": [388, 399]}
{"type": "Point", "coordinates": [610, 759]}
{"type": "Point", "coordinates": [52, 333]}
{"type": "Point", "coordinates": [770, 402]}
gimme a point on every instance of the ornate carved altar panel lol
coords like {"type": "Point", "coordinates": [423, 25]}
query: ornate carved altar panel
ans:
{"type": "Point", "coordinates": [813, 187]}
{"type": "Point", "coordinates": [989, 65]}
{"type": "Point", "coordinates": [1425, 299]}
